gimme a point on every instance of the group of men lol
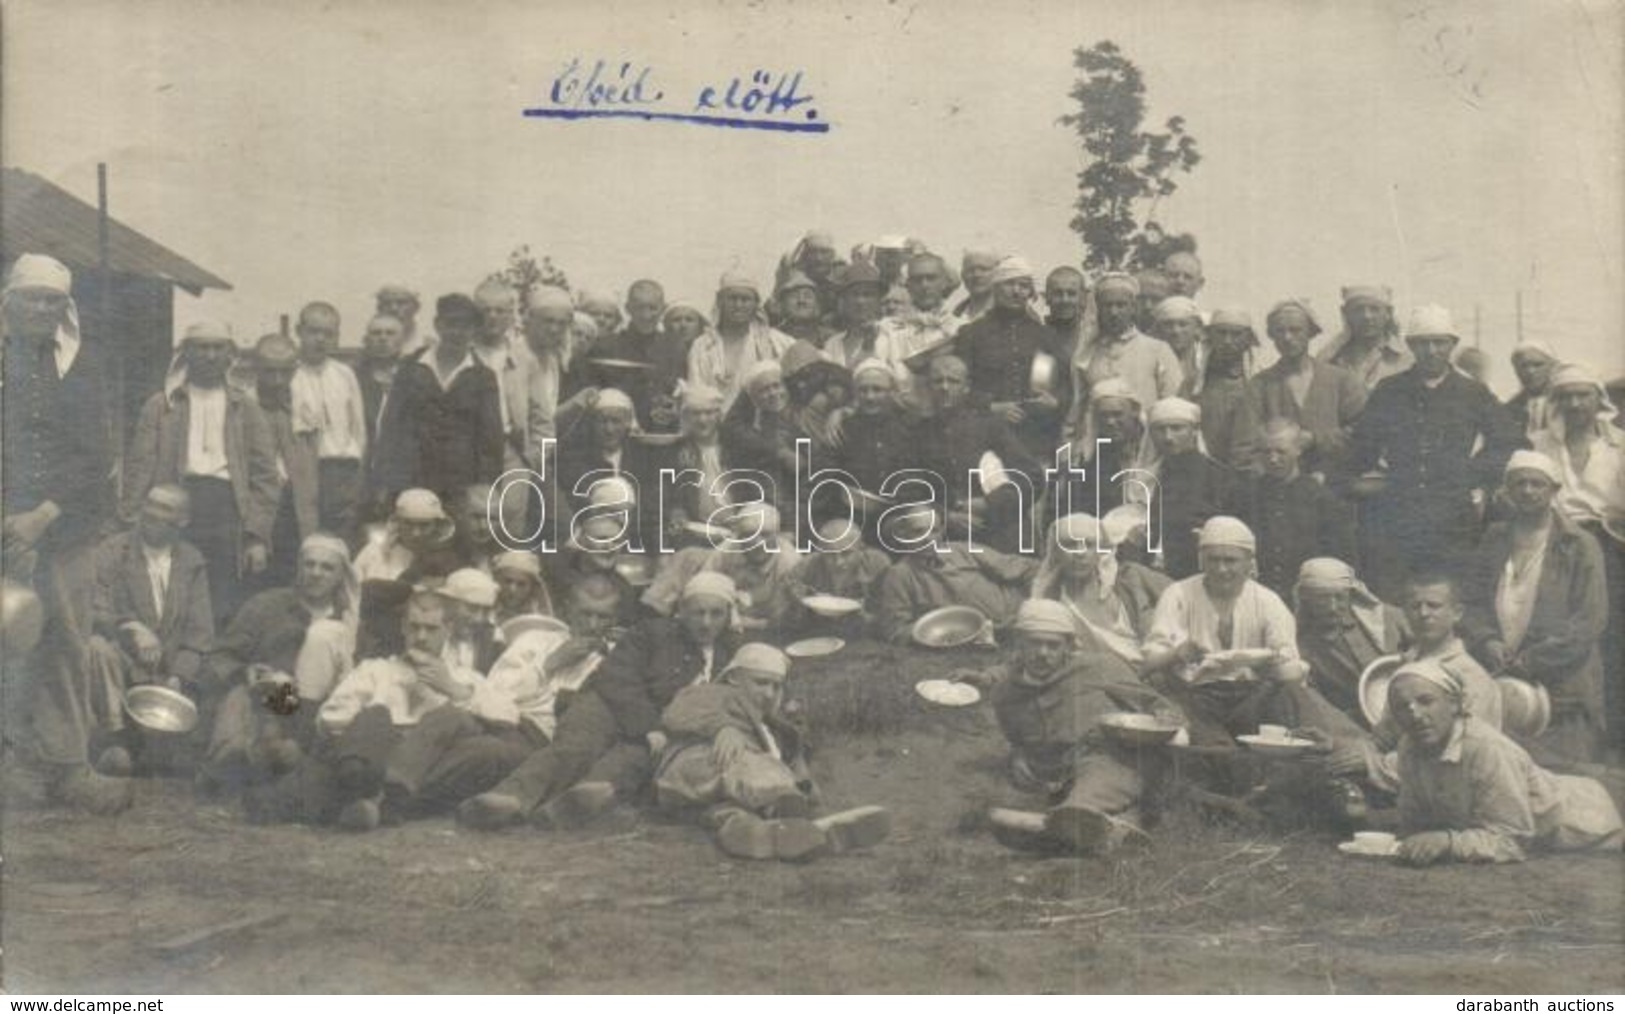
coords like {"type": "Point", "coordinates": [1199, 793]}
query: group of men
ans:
{"type": "Point", "coordinates": [540, 556]}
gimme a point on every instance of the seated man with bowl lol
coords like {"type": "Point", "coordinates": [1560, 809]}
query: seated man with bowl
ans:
{"type": "Point", "coordinates": [1081, 730]}
{"type": "Point", "coordinates": [152, 625]}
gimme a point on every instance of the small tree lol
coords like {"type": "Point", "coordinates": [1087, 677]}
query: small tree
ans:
{"type": "Point", "coordinates": [1129, 166]}
{"type": "Point", "coordinates": [524, 272]}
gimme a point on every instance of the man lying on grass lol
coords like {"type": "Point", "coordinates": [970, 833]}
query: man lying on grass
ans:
{"type": "Point", "coordinates": [1467, 793]}
{"type": "Point", "coordinates": [733, 757]}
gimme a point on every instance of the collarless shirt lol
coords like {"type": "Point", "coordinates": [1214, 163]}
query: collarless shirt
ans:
{"type": "Point", "coordinates": [206, 433]}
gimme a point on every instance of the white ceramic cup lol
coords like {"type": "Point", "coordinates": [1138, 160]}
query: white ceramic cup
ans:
{"type": "Point", "coordinates": [1273, 731]}
{"type": "Point", "coordinates": [1374, 839]}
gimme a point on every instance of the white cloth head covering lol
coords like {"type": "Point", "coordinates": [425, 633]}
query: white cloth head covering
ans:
{"type": "Point", "coordinates": [517, 562]}
{"type": "Point", "coordinates": [1325, 573]}
{"type": "Point", "coordinates": [1232, 316]}
{"type": "Point", "coordinates": [1221, 530]}
{"type": "Point", "coordinates": [1118, 280]}
{"type": "Point", "coordinates": [1114, 387]}
{"type": "Point", "coordinates": [419, 505]}
{"type": "Point", "coordinates": [839, 534]}
{"type": "Point", "coordinates": [872, 365]}
{"type": "Point", "coordinates": [471, 587]}
{"type": "Point", "coordinates": [1075, 533]}
{"type": "Point", "coordinates": [736, 280]}
{"type": "Point", "coordinates": [613, 400]}
{"type": "Point", "coordinates": [37, 271]}
{"type": "Point", "coordinates": [760, 658]}
{"type": "Point", "coordinates": [700, 397]}
{"type": "Point", "coordinates": [1434, 673]}
{"type": "Point", "coordinates": [612, 490]}
{"type": "Point", "coordinates": [1121, 521]}
{"type": "Point", "coordinates": [1295, 303]}
{"type": "Point", "coordinates": [711, 583]}
{"type": "Point", "coordinates": [1043, 616]}
{"type": "Point", "coordinates": [550, 297]}
{"type": "Point", "coordinates": [1534, 461]}
{"type": "Point", "coordinates": [754, 519]}
{"type": "Point", "coordinates": [1176, 410]}
{"type": "Point", "coordinates": [1010, 269]}
{"type": "Point", "coordinates": [1177, 308]}
{"type": "Point", "coordinates": [1430, 319]}
{"type": "Point", "coordinates": [209, 330]}
{"type": "Point", "coordinates": [759, 371]}
{"type": "Point", "coordinates": [1535, 347]}
{"type": "Point", "coordinates": [347, 600]}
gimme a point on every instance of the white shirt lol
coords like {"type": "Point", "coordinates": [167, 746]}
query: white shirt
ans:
{"type": "Point", "coordinates": [327, 402]}
{"type": "Point", "coordinates": [206, 433]}
{"type": "Point", "coordinates": [1596, 492]}
{"type": "Point", "coordinates": [497, 361]}
{"type": "Point", "coordinates": [433, 363]}
{"type": "Point", "coordinates": [67, 350]}
{"type": "Point", "coordinates": [158, 567]}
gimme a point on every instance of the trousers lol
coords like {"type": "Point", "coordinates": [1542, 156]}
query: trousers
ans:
{"type": "Point", "coordinates": [586, 733]}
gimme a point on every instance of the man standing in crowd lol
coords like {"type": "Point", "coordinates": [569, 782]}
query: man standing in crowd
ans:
{"type": "Point", "coordinates": [1184, 273]}
{"type": "Point", "coordinates": [402, 304]}
{"type": "Point", "coordinates": [327, 404]}
{"type": "Point", "coordinates": [276, 358]}
{"type": "Point", "coordinates": [1122, 350]}
{"type": "Point", "coordinates": [213, 440]}
{"type": "Point", "coordinates": [1324, 400]}
{"type": "Point", "coordinates": [442, 425]}
{"type": "Point", "coordinates": [57, 439]}
{"type": "Point", "coordinates": [1424, 424]}
{"type": "Point", "coordinates": [1369, 345]}
{"type": "Point", "coordinates": [1071, 326]}
{"type": "Point", "coordinates": [999, 350]}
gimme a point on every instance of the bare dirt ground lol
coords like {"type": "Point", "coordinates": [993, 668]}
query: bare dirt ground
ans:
{"type": "Point", "coordinates": [176, 897]}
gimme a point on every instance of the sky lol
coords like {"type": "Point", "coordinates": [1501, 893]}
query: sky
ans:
{"type": "Point", "coordinates": [1459, 152]}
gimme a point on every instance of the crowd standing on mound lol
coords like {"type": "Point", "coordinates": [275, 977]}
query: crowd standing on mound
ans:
{"type": "Point", "coordinates": [316, 551]}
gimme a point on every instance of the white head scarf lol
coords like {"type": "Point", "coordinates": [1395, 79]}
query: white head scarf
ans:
{"type": "Point", "coordinates": [37, 271]}
{"type": "Point", "coordinates": [1075, 533]}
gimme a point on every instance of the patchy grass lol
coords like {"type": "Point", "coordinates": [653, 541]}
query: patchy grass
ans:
{"type": "Point", "coordinates": [642, 904]}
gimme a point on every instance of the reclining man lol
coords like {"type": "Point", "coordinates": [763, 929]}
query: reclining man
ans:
{"type": "Point", "coordinates": [732, 752]}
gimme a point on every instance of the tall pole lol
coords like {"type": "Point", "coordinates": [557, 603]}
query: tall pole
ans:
{"type": "Point", "coordinates": [1478, 324]}
{"type": "Point", "coordinates": [104, 318]}
{"type": "Point", "coordinates": [1520, 316]}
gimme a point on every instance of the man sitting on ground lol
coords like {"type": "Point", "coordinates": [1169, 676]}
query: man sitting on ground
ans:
{"type": "Point", "coordinates": [151, 618]}
{"type": "Point", "coordinates": [372, 758]}
{"type": "Point", "coordinates": [932, 573]}
{"type": "Point", "coordinates": [606, 738]}
{"type": "Point", "coordinates": [1050, 699]}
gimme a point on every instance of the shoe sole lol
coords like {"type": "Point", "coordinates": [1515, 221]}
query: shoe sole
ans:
{"type": "Point", "coordinates": [359, 817]}
{"type": "Point", "coordinates": [860, 828]}
{"type": "Point", "coordinates": [746, 837]}
{"type": "Point", "coordinates": [793, 840]}
{"type": "Point", "coordinates": [489, 813]}
{"type": "Point", "coordinates": [580, 803]}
